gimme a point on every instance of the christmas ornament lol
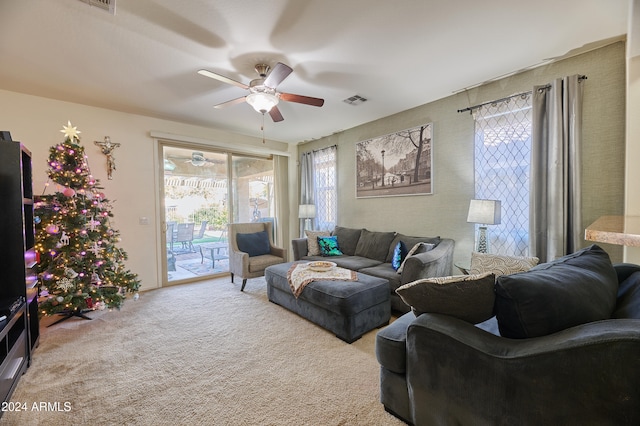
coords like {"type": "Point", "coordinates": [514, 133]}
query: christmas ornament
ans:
{"type": "Point", "coordinates": [52, 229]}
{"type": "Point", "coordinates": [64, 239]}
{"type": "Point", "coordinates": [70, 273]}
{"type": "Point", "coordinates": [65, 284]}
{"type": "Point", "coordinates": [70, 132]}
{"type": "Point", "coordinates": [69, 192]}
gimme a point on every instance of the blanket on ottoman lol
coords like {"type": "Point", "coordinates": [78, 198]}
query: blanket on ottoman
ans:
{"type": "Point", "coordinates": [300, 274]}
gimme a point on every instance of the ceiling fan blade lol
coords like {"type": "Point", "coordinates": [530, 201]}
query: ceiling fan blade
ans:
{"type": "Point", "coordinates": [275, 114]}
{"type": "Point", "coordinates": [277, 75]}
{"type": "Point", "coordinates": [307, 100]}
{"type": "Point", "coordinates": [222, 78]}
{"type": "Point", "coordinates": [231, 102]}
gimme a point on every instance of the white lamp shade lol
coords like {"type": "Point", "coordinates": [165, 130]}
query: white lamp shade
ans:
{"type": "Point", "coordinates": [486, 212]}
{"type": "Point", "coordinates": [306, 211]}
{"type": "Point", "coordinates": [262, 102]}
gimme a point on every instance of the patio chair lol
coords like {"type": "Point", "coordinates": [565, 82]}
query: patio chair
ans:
{"type": "Point", "coordinates": [203, 227]}
{"type": "Point", "coordinates": [171, 228]}
{"type": "Point", "coordinates": [251, 250]}
{"type": "Point", "coordinates": [185, 235]}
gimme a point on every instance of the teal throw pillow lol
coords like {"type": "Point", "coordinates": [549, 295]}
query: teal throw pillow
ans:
{"type": "Point", "coordinates": [399, 253]}
{"type": "Point", "coordinates": [329, 246]}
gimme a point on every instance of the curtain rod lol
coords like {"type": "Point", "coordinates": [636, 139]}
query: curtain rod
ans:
{"type": "Point", "coordinates": [471, 108]}
{"type": "Point", "coordinates": [320, 149]}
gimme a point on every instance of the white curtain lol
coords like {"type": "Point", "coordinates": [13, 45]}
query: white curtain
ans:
{"type": "Point", "coordinates": [555, 224]}
{"type": "Point", "coordinates": [307, 193]}
{"type": "Point", "coordinates": [318, 186]}
{"type": "Point", "coordinates": [280, 169]}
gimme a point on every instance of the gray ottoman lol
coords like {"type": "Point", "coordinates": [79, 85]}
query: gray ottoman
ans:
{"type": "Point", "coordinates": [347, 308]}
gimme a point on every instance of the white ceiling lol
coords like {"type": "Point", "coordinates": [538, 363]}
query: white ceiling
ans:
{"type": "Point", "coordinates": [398, 54]}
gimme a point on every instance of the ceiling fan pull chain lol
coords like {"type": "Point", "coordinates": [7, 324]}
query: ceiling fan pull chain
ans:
{"type": "Point", "coordinates": [262, 127]}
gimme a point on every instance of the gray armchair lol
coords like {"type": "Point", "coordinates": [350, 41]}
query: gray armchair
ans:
{"type": "Point", "coordinates": [251, 250]}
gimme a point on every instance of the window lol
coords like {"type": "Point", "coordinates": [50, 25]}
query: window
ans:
{"type": "Point", "coordinates": [326, 192]}
{"type": "Point", "coordinates": [318, 182]}
{"type": "Point", "coordinates": [502, 167]}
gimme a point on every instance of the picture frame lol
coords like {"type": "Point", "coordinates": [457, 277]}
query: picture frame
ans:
{"type": "Point", "coordinates": [397, 164]}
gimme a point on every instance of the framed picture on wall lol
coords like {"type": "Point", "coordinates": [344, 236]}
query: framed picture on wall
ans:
{"type": "Point", "coordinates": [397, 164]}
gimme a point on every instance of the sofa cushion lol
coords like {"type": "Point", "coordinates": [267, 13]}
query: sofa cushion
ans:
{"type": "Point", "coordinates": [572, 290]}
{"type": "Point", "coordinates": [391, 341]}
{"type": "Point", "coordinates": [329, 246]}
{"type": "Point", "coordinates": [355, 263]}
{"type": "Point", "coordinates": [628, 305]}
{"type": "Point", "coordinates": [500, 264]}
{"type": "Point", "coordinates": [468, 297]}
{"type": "Point", "coordinates": [347, 238]}
{"type": "Point", "coordinates": [374, 245]}
{"type": "Point", "coordinates": [254, 244]}
{"type": "Point", "coordinates": [410, 242]}
{"type": "Point", "coordinates": [386, 271]}
{"type": "Point", "coordinates": [312, 241]}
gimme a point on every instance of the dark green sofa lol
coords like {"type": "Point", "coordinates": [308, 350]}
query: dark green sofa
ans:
{"type": "Point", "coordinates": [370, 252]}
{"type": "Point", "coordinates": [572, 356]}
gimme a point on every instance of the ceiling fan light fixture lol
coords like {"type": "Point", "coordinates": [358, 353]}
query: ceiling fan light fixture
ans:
{"type": "Point", "coordinates": [262, 102]}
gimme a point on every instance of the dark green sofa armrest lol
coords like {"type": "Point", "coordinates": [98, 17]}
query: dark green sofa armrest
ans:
{"type": "Point", "coordinates": [433, 263]}
{"type": "Point", "coordinates": [460, 374]}
{"type": "Point", "coordinates": [299, 248]}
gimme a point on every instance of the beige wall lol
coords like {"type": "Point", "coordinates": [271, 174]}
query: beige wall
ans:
{"type": "Point", "coordinates": [632, 254]}
{"type": "Point", "coordinates": [37, 122]}
{"type": "Point", "coordinates": [444, 212]}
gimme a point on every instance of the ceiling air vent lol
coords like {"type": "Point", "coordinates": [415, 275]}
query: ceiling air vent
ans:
{"type": "Point", "coordinates": [106, 5]}
{"type": "Point", "coordinates": [355, 100]}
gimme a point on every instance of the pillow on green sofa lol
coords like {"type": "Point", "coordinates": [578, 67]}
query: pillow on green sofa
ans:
{"type": "Point", "coordinates": [572, 290]}
{"type": "Point", "coordinates": [348, 238]}
{"type": "Point", "coordinates": [312, 241]}
{"type": "Point", "coordinates": [410, 242]}
{"type": "Point", "coordinates": [374, 245]}
{"type": "Point", "coordinates": [500, 264]}
{"type": "Point", "coordinates": [399, 254]}
{"type": "Point", "coordinates": [329, 246]}
{"type": "Point", "coordinates": [468, 297]}
{"type": "Point", "coordinates": [416, 249]}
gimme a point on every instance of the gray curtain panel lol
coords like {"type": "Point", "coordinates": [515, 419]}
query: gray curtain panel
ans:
{"type": "Point", "coordinates": [307, 183]}
{"type": "Point", "coordinates": [555, 225]}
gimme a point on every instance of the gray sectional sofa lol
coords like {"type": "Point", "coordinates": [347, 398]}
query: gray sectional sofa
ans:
{"type": "Point", "coordinates": [562, 348]}
{"type": "Point", "coordinates": [371, 253]}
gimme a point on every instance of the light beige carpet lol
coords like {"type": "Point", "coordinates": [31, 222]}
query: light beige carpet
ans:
{"type": "Point", "coordinates": [200, 354]}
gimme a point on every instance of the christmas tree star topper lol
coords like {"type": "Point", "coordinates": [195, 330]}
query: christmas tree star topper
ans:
{"type": "Point", "coordinates": [70, 131]}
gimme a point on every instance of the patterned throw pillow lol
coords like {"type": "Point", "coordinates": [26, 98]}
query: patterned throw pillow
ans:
{"type": "Point", "coordinates": [499, 264]}
{"type": "Point", "coordinates": [329, 246]}
{"type": "Point", "coordinates": [467, 297]}
{"type": "Point", "coordinates": [399, 253]}
{"type": "Point", "coordinates": [312, 241]}
{"type": "Point", "coordinates": [418, 248]}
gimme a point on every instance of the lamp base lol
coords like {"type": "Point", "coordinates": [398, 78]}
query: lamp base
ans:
{"type": "Point", "coordinates": [483, 241]}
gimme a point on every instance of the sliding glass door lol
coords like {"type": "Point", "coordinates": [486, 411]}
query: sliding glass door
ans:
{"type": "Point", "coordinates": [198, 203]}
{"type": "Point", "coordinates": [252, 189]}
{"type": "Point", "coordinates": [196, 212]}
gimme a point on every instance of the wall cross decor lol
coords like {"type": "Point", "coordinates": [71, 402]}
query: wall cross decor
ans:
{"type": "Point", "coordinates": [107, 148]}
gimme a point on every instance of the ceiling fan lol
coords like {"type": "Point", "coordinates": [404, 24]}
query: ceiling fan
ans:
{"type": "Point", "coordinates": [197, 159]}
{"type": "Point", "coordinates": [263, 96]}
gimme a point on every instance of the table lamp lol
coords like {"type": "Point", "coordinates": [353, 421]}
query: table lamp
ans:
{"type": "Point", "coordinates": [307, 212]}
{"type": "Point", "coordinates": [484, 212]}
